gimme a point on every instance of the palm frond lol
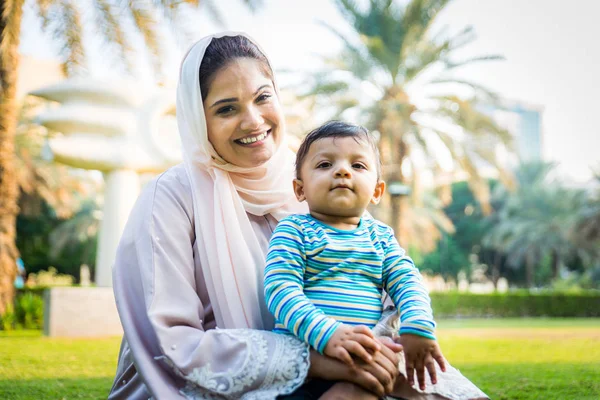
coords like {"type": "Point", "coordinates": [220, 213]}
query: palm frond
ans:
{"type": "Point", "coordinates": [67, 30]}
{"type": "Point", "coordinates": [472, 60]}
{"type": "Point", "coordinates": [352, 57]}
{"type": "Point", "coordinates": [253, 5]}
{"type": "Point", "coordinates": [464, 113]}
{"type": "Point", "coordinates": [110, 28]}
{"type": "Point", "coordinates": [146, 23]}
{"type": "Point", "coordinates": [419, 15]}
{"type": "Point", "coordinates": [480, 91]}
{"type": "Point", "coordinates": [43, 7]}
{"type": "Point", "coordinates": [379, 30]}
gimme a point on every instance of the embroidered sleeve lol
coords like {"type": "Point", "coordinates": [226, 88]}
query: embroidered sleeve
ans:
{"type": "Point", "coordinates": [265, 366]}
{"type": "Point", "coordinates": [405, 286]}
{"type": "Point", "coordinates": [214, 363]}
{"type": "Point", "coordinates": [284, 282]}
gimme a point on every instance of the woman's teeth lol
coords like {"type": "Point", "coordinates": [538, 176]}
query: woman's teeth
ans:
{"type": "Point", "coordinates": [249, 140]}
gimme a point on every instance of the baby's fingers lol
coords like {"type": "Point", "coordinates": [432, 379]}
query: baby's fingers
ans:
{"type": "Point", "coordinates": [355, 348]}
{"type": "Point", "coordinates": [421, 375]}
{"type": "Point", "coordinates": [364, 330]}
{"type": "Point", "coordinates": [368, 342]}
{"type": "Point", "coordinates": [410, 374]}
{"type": "Point", "coordinates": [439, 358]}
{"type": "Point", "coordinates": [430, 365]}
{"type": "Point", "coordinates": [343, 355]}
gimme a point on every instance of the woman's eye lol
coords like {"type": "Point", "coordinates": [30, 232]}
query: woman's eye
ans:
{"type": "Point", "coordinates": [263, 97]}
{"type": "Point", "coordinates": [324, 164]}
{"type": "Point", "coordinates": [225, 110]}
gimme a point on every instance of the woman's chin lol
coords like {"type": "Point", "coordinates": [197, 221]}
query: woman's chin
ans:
{"type": "Point", "coordinates": [257, 158]}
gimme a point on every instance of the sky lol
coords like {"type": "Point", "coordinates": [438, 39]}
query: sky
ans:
{"type": "Point", "coordinates": [551, 50]}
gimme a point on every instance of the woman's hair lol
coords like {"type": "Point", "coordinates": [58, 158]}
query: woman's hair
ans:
{"type": "Point", "coordinates": [337, 129]}
{"type": "Point", "coordinates": [221, 51]}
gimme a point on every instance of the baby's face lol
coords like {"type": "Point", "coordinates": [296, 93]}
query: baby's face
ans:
{"type": "Point", "coordinates": [339, 177]}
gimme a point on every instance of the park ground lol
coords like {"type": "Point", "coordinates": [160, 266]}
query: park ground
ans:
{"type": "Point", "coordinates": [508, 359]}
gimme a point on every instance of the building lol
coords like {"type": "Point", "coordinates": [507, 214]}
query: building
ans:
{"type": "Point", "coordinates": [524, 121]}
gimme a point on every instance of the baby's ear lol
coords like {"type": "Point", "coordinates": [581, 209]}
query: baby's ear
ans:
{"type": "Point", "coordinates": [299, 190]}
{"type": "Point", "coordinates": [378, 192]}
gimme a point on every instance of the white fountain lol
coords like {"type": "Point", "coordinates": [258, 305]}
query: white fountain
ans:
{"type": "Point", "coordinates": [121, 129]}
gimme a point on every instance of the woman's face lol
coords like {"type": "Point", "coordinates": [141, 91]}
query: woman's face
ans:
{"type": "Point", "coordinates": [243, 115]}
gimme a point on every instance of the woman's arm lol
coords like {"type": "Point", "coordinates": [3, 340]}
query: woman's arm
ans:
{"type": "Point", "coordinates": [167, 317]}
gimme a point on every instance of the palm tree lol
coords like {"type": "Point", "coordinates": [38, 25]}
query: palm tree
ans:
{"type": "Point", "coordinates": [62, 19]}
{"type": "Point", "coordinates": [587, 230]}
{"type": "Point", "coordinates": [537, 221]}
{"type": "Point", "coordinates": [393, 56]}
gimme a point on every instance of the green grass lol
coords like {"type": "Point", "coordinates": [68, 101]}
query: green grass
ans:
{"type": "Point", "coordinates": [35, 367]}
{"type": "Point", "coordinates": [519, 322]}
{"type": "Point", "coordinates": [527, 359]}
{"type": "Point", "coordinates": [523, 359]}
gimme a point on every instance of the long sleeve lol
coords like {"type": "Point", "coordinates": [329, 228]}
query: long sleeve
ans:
{"type": "Point", "coordinates": [283, 288]}
{"type": "Point", "coordinates": [403, 282]}
{"type": "Point", "coordinates": [167, 317]}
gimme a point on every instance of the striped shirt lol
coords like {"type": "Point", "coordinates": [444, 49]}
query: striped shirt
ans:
{"type": "Point", "coordinates": [318, 276]}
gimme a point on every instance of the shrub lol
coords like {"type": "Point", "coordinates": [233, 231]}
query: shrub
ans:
{"type": "Point", "coordinates": [8, 320]}
{"type": "Point", "coordinates": [49, 278]}
{"type": "Point", "coordinates": [516, 304]}
{"type": "Point", "coordinates": [29, 311]}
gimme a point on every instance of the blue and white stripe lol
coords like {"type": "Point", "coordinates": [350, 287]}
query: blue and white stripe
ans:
{"type": "Point", "coordinates": [318, 277]}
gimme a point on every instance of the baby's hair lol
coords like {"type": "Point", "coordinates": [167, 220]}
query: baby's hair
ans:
{"type": "Point", "coordinates": [337, 129]}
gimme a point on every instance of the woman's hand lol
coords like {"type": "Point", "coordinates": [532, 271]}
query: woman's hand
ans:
{"type": "Point", "coordinates": [385, 364]}
{"type": "Point", "coordinates": [377, 377]}
{"type": "Point", "coordinates": [348, 341]}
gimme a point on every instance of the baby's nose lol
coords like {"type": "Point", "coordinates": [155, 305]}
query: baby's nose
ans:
{"type": "Point", "coordinates": [342, 171]}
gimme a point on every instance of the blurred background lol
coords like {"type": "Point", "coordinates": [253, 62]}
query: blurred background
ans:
{"type": "Point", "coordinates": [484, 112]}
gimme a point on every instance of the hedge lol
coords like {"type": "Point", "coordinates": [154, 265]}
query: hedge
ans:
{"type": "Point", "coordinates": [516, 304]}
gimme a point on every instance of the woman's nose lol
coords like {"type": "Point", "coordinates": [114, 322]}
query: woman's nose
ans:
{"type": "Point", "coordinates": [252, 119]}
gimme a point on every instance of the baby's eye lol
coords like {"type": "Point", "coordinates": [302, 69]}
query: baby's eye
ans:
{"type": "Point", "coordinates": [359, 166]}
{"type": "Point", "coordinates": [225, 110]}
{"type": "Point", "coordinates": [324, 164]}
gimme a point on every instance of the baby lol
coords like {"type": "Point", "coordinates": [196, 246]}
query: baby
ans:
{"type": "Point", "coordinates": [327, 270]}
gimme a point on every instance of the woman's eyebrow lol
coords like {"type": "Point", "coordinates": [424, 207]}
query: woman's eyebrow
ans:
{"type": "Point", "coordinates": [233, 99]}
{"type": "Point", "coordinates": [228, 100]}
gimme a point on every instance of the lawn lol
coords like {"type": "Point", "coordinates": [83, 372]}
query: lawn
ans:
{"type": "Point", "coordinates": [509, 359]}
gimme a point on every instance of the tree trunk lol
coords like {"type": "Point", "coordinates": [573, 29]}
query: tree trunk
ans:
{"type": "Point", "coordinates": [496, 269]}
{"type": "Point", "coordinates": [11, 12]}
{"type": "Point", "coordinates": [397, 202]}
{"type": "Point", "coordinates": [529, 270]}
{"type": "Point", "coordinates": [555, 265]}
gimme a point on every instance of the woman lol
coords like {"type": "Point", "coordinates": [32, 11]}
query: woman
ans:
{"type": "Point", "coordinates": [189, 268]}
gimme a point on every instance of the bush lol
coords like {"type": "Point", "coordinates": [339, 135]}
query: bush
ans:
{"type": "Point", "coordinates": [27, 312]}
{"type": "Point", "coordinates": [516, 304]}
{"type": "Point", "coordinates": [8, 320]}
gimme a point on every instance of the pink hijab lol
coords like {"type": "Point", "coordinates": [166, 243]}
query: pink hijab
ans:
{"type": "Point", "coordinates": [223, 194]}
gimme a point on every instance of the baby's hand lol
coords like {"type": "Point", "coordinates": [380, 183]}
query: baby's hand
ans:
{"type": "Point", "coordinates": [348, 340]}
{"type": "Point", "coordinates": [421, 353]}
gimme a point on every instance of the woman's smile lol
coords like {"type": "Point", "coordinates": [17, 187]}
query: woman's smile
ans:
{"type": "Point", "coordinates": [253, 140]}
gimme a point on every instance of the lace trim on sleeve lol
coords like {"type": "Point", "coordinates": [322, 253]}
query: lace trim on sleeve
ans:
{"type": "Point", "coordinates": [283, 372]}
